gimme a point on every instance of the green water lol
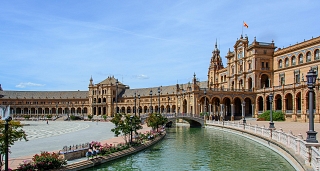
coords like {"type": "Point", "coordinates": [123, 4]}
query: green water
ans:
{"type": "Point", "coordinates": [188, 149]}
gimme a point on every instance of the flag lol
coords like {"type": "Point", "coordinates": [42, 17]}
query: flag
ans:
{"type": "Point", "coordinates": [245, 24]}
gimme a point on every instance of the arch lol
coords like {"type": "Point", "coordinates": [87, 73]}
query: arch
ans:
{"type": "Point", "coordinates": [237, 108]}
{"type": "Point", "coordinates": [289, 103]}
{"type": "Point", "coordinates": [260, 104]}
{"type": "Point", "coordinates": [128, 109]}
{"type": "Point", "coordinates": [278, 102]}
{"type": "Point", "coordinates": [104, 100]}
{"type": "Point", "coordinates": [240, 83]}
{"type": "Point", "coordinates": [250, 83]}
{"type": "Point", "coordinates": [174, 109]}
{"type": "Point", "coordinates": [280, 63]}
{"type": "Point", "coordinates": [293, 60]}
{"type": "Point", "coordinates": [145, 109]}
{"type": "Point", "coordinates": [286, 61]}
{"type": "Point", "coordinates": [308, 56]}
{"type": "Point", "coordinates": [227, 108]}
{"type": "Point", "coordinates": [248, 107]}
{"type": "Point", "coordinates": [99, 100]}
{"type": "Point", "coordinates": [184, 106]}
{"type": "Point", "coordinates": [300, 58]}
{"type": "Point", "coordinates": [316, 54]}
{"type": "Point", "coordinates": [122, 110]}
{"type": "Point", "coordinates": [298, 102]}
{"type": "Point", "coordinates": [264, 81]}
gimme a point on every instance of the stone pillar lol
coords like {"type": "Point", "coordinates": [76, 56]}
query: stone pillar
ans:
{"type": "Point", "coordinates": [221, 112]}
{"type": "Point", "coordinates": [210, 111]}
{"type": "Point", "coordinates": [232, 112]}
{"type": "Point", "coordinates": [253, 111]}
{"type": "Point", "coordinates": [294, 108]}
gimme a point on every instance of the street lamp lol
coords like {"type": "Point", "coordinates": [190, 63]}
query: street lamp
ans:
{"type": "Point", "coordinates": [243, 112]}
{"type": "Point", "coordinates": [168, 105]}
{"type": "Point", "coordinates": [56, 110]}
{"type": "Point", "coordinates": [311, 79]}
{"type": "Point", "coordinates": [271, 124]}
{"type": "Point", "coordinates": [159, 90]}
{"type": "Point", "coordinates": [150, 101]}
{"type": "Point", "coordinates": [117, 82]}
{"type": "Point", "coordinates": [131, 117]}
{"type": "Point", "coordinates": [205, 102]}
{"type": "Point", "coordinates": [139, 105]}
{"type": "Point", "coordinates": [135, 104]}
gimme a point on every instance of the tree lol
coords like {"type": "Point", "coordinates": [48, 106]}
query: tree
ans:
{"type": "Point", "coordinates": [154, 120]}
{"type": "Point", "coordinates": [15, 133]}
{"type": "Point", "coordinates": [124, 125]}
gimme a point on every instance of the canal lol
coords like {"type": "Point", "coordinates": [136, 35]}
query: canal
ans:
{"type": "Point", "coordinates": [186, 148]}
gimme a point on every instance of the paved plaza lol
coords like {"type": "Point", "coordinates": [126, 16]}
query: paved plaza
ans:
{"type": "Point", "coordinates": [56, 134]}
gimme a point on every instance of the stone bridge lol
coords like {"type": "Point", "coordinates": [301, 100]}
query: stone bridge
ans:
{"type": "Point", "coordinates": [192, 119]}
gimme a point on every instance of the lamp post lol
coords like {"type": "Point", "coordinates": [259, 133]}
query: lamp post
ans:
{"type": "Point", "coordinates": [117, 82]}
{"type": "Point", "coordinates": [56, 110]}
{"type": "Point", "coordinates": [159, 90]}
{"type": "Point", "coordinates": [139, 105]}
{"type": "Point", "coordinates": [82, 111]}
{"type": "Point", "coordinates": [135, 104]}
{"type": "Point", "coordinates": [168, 105]}
{"type": "Point", "coordinates": [131, 117]}
{"type": "Point", "coordinates": [311, 79]}
{"type": "Point", "coordinates": [243, 112]}
{"type": "Point", "coordinates": [150, 101]}
{"type": "Point", "coordinates": [271, 124]}
{"type": "Point", "coordinates": [205, 101]}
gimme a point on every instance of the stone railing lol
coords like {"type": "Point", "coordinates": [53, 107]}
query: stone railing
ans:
{"type": "Point", "coordinates": [309, 152]}
{"type": "Point", "coordinates": [74, 151]}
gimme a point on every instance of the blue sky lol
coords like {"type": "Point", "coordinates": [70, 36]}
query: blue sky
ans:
{"type": "Point", "coordinates": [59, 45]}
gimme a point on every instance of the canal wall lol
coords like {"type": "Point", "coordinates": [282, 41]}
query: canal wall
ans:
{"type": "Point", "coordinates": [110, 157]}
{"type": "Point", "coordinates": [295, 150]}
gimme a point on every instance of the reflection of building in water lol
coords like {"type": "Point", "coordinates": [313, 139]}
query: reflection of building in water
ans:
{"type": "Point", "coordinates": [253, 71]}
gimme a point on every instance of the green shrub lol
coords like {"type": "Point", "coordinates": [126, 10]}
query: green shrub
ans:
{"type": "Point", "coordinates": [49, 116]}
{"type": "Point", "coordinates": [276, 116]}
{"type": "Point", "coordinates": [104, 117]}
{"type": "Point", "coordinates": [90, 117]}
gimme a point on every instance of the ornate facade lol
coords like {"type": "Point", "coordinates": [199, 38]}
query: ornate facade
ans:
{"type": "Point", "coordinates": [253, 71]}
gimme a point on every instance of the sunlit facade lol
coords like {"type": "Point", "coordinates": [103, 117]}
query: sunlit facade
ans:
{"type": "Point", "coordinates": [240, 88]}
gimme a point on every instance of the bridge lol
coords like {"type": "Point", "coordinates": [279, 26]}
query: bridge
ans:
{"type": "Point", "coordinates": [193, 119]}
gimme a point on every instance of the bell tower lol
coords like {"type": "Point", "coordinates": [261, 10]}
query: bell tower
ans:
{"type": "Point", "coordinates": [215, 65]}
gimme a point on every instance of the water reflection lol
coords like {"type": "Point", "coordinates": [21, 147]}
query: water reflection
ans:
{"type": "Point", "coordinates": [187, 148]}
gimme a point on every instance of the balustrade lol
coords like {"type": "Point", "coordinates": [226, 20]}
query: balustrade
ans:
{"type": "Point", "coordinates": [288, 140]}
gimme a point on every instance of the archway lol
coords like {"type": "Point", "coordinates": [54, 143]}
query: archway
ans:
{"type": "Point", "coordinates": [250, 83]}
{"type": "Point", "coordinates": [237, 108]}
{"type": "Point", "coordinates": [184, 106]}
{"type": "Point", "coordinates": [278, 102]}
{"type": "Point", "coordinates": [264, 81]}
{"type": "Point", "coordinates": [260, 104]}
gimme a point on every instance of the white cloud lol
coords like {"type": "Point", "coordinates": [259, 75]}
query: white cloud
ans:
{"type": "Point", "coordinates": [142, 77]}
{"type": "Point", "coordinates": [29, 84]}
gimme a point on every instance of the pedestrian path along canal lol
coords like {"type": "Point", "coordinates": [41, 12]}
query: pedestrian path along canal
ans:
{"type": "Point", "coordinates": [186, 148]}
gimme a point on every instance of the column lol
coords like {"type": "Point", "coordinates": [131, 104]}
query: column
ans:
{"type": "Point", "coordinates": [221, 112]}
{"type": "Point", "coordinates": [232, 112]}
{"type": "Point", "coordinates": [252, 107]}
{"type": "Point", "coordinates": [210, 111]}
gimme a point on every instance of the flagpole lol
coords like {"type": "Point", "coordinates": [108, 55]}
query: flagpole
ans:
{"type": "Point", "coordinates": [242, 28]}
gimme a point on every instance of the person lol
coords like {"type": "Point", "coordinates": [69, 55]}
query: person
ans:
{"type": "Point", "coordinates": [47, 122]}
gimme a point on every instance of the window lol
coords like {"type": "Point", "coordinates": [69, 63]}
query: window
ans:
{"type": "Point", "coordinates": [300, 59]}
{"type": "Point", "coordinates": [297, 76]}
{"type": "Point", "coordinates": [308, 56]}
{"type": "Point", "coordinates": [287, 62]}
{"type": "Point", "coordinates": [262, 64]}
{"type": "Point", "coordinates": [281, 79]}
{"type": "Point", "coordinates": [267, 65]}
{"type": "Point", "coordinates": [316, 54]}
{"type": "Point", "coordinates": [249, 66]}
{"type": "Point", "coordinates": [280, 64]}
{"type": "Point", "coordinates": [293, 60]}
